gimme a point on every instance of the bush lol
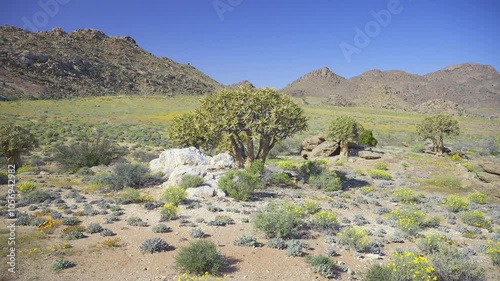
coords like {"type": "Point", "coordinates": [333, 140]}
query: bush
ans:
{"type": "Point", "coordinates": [445, 181]}
{"type": "Point", "coordinates": [198, 257]}
{"type": "Point", "coordinates": [366, 138]}
{"type": "Point", "coordinates": [35, 197]}
{"type": "Point", "coordinates": [131, 195]}
{"type": "Point", "coordinates": [154, 245]}
{"type": "Point", "coordinates": [468, 166]}
{"type": "Point", "coordinates": [475, 218]}
{"type": "Point", "coordinates": [477, 197]}
{"type": "Point", "coordinates": [190, 181]}
{"type": "Point", "coordinates": [322, 265]}
{"type": "Point", "coordinates": [94, 149]}
{"type": "Point", "coordinates": [378, 272]}
{"type": "Point", "coordinates": [94, 228]}
{"type": "Point", "coordinates": [246, 240]}
{"type": "Point", "coordinates": [85, 171]}
{"type": "Point", "coordinates": [327, 181]}
{"type": "Point", "coordinates": [168, 212]}
{"type": "Point", "coordinates": [294, 248]}
{"type": "Point", "coordinates": [174, 195]}
{"type": "Point", "coordinates": [409, 219]}
{"type": "Point", "coordinates": [411, 266]}
{"type": "Point", "coordinates": [256, 168]}
{"type": "Point", "coordinates": [280, 178]}
{"type": "Point", "coordinates": [286, 165]}
{"type": "Point", "coordinates": [136, 221]}
{"type": "Point", "coordinates": [26, 186]}
{"type": "Point", "coordinates": [311, 206]}
{"type": "Point", "coordinates": [379, 174]}
{"type": "Point", "coordinates": [197, 233]}
{"type": "Point", "coordinates": [239, 184]}
{"type": "Point", "coordinates": [107, 232]}
{"type": "Point", "coordinates": [493, 250]}
{"type": "Point", "coordinates": [278, 220]}
{"type": "Point", "coordinates": [276, 243]}
{"type": "Point", "coordinates": [450, 265]}
{"type": "Point", "coordinates": [325, 221]}
{"type": "Point", "coordinates": [161, 228]}
{"type": "Point", "coordinates": [430, 243]}
{"type": "Point", "coordinates": [353, 238]}
{"type": "Point", "coordinates": [455, 203]}
{"type": "Point", "coordinates": [404, 194]}
{"type": "Point", "coordinates": [131, 175]}
{"type": "Point", "coordinates": [310, 169]}
{"type": "Point", "coordinates": [381, 166]}
{"type": "Point", "coordinates": [61, 264]}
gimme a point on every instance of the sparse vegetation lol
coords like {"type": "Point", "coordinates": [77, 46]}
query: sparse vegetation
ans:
{"type": "Point", "coordinates": [189, 181]}
{"type": "Point", "coordinates": [154, 245]}
{"type": "Point", "coordinates": [345, 129]}
{"type": "Point", "coordinates": [200, 256]}
{"type": "Point", "coordinates": [174, 195]}
{"type": "Point", "coordinates": [379, 174]}
{"type": "Point", "coordinates": [278, 220]}
{"type": "Point", "coordinates": [436, 128]}
{"type": "Point", "coordinates": [475, 218]}
{"type": "Point", "coordinates": [455, 203]}
{"type": "Point", "coordinates": [240, 184]}
{"type": "Point", "coordinates": [14, 141]}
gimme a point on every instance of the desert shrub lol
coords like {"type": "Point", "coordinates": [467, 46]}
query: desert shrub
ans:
{"type": "Point", "coordinates": [379, 174]}
{"type": "Point", "coordinates": [136, 221]}
{"type": "Point", "coordinates": [154, 245]}
{"type": "Point", "coordinates": [322, 265]}
{"type": "Point", "coordinates": [197, 233]}
{"type": "Point", "coordinates": [107, 232]}
{"type": "Point", "coordinates": [366, 189]}
{"type": "Point", "coordinates": [93, 149]}
{"type": "Point", "coordinates": [449, 264]}
{"type": "Point", "coordinates": [353, 238]}
{"type": "Point", "coordinates": [366, 138]}
{"type": "Point", "coordinates": [378, 272]}
{"type": "Point", "coordinates": [455, 203]}
{"type": "Point", "coordinates": [221, 220]}
{"type": "Point", "coordinates": [311, 206]}
{"type": "Point", "coordinates": [36, 196]}
{"type": "Point", "coordinates": [168, 211]}
{"type": "Point", "coordinates": [381, 166]}
{"type": "Point", "coordinates": [278, 220]}
{"type": "Point", "coordinates": [174, 195]}
{"type": "Point", "coordinates": [161, 228]}
{"type": "Point", "coordinates": [327, 181]}
{"type": "Point", "coordinates": [409, 219]}
{"type": "Point", "coordinates": [61, 264]}
{"type": "Point", "coordinates": [475, 218]}
{"type": "Point", "coordinates": [85, 171]}
{"type": "Point", "coordinates": [411, 266]}
{"type": "Point", "coordinates": [294, 248]}
{"type": "Point", "coordinates": [468, 166]}
{"type": "Point", "coordinates": [131, 175]}
{"type": "Point", "coordinates": [493, 250]}
{"type": "Point", "coordinates": [286, 165]}
{"type": "Point", "coordinates": [256, 168]}
{"type": "Point", "coordinates": [189, 181]}
{"type": "Point", "coordinates": [144, 157]}
{"type": "Point", "coordinates": [246, 240]}
{"type": "Point", "coordinates": [277, 243]}
{"type": "Point", "coordinates": [239, 184]}
{"type": "Point", "coordinates": [280, 178]}
{"type": "Point", "coordinates": [325, 221]}
{"type": "Point", "coordinates": [445, 181]}
{"type": "Point", "coordinates": [94, 228]}
{"type": "Point", "coordinates": [73, 235]}
{"type": "Point", "coordinates": [430, 243]}
{"type": "Point", "coordinates": [477, 197]}
{"type": "Point", "coordinates": [131, 195]}
{"type": "Point", "coordinates": [200, 256]}
{"type": "Point", "coordinates": [4, 177]}
{"type": "Point", "coordinates": [310, 169]}
{"type": "Point", "coordinates": [27, 186]}
{"type": "Point", "coordinates": [404, 194]}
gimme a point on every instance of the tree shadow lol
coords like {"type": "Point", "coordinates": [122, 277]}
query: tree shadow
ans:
{"type": "Point", "coordinates": [349, 182]}
{"type": "Point", "coordinates": [230, 265]}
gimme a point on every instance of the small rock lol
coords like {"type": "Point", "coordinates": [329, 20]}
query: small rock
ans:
{"type": "Point", "coordinates": [370, 154]}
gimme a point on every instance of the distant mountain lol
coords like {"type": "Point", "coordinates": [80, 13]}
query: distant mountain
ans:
{"type": "Point", "coordinates": [241, 84]}
{"type": "Point", "coordinates": [468, 85]}
{"type": "Point", "coordinates": [87, 62]}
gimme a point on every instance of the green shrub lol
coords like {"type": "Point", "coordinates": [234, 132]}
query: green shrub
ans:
{"type": "Point", "coordinates": [327, 181]}
{"type": "Point", "coordinates": [450, 264]}
{"type": "Point", "coordinates": [431, 242]}
{"type": "Point", "coordinates": [256, 168]}
{"type": "Point", "coordinates": [27, 186]}
{"type": "Point", "coordinates": [174, 195]}
{"type": "Point", "coordinates": [322, 265]}
{"type": "Point", "coordinates": [378, 272]}
{"type": "Point", "coordinates": [190, 181]}
{"type": "Point", "coordinates": [280, 178]}
{"type": "Point", "coordinates": [131, 195]}
{"type": "Point", "coordinates": [198, 257]}
{"type": "Point", "coordinates": [154, 245]}
{"type": "Point", "coordinates": [468, 166]}
{"type": "Point", "coordinates": [366, 138]}
{"type": "Point", "coordinates": [246, 240]}
{"type": "Point", "coordinates": [85, 171]}
{"type": "Point", "coordinates": [61, 264]}
{"type": "Point", "coordinates": [197, 233]}
{"type": "Point", "coordinates": [4, 177]}
{"type": "Point", "coordinates": [455, 203]}
{"type": "Point", "coordinates": [379, 174]}
{"type": "Point", "coordinates": [294, 248]}
{"type": "Point", "coordinates": [381, 166]}
{"type": "Point", "coordinates": [493, 251]}
{"type": "Point", "coordinates": [286, 165]}
{"type": "Point", "coordinates": [409, 219]}
{"type": "Point", "coordinates": [411, 266]}
{"type": "Point", "coordinates": [475, 218]}
{"type": "Point", "coordinates": [445, 181]}
{"type": "Point", "coordinates": [94, 228]}
{"type": "Point", "coordinates": [354, 238]}
{"type": "Point", "coordinates": [278, 220]}
{"type": "Point", "coordinates": [239, 184]}
{"type": "Point", "coordinates": [93, 149]}
{"type": "Point", "coordinates": [169, 211]}
{"type": "Point", "coordinates": [477, 197]}
{"type": "Point", "coordinates": [136, 221]}
{"type": "Point", "coordinates": [404, 194]}
{"type": "Point", "coordinates": [35, 197]}
{"type": "Point", "coordinates": [311, 206]}
{"type": "Point", "coordinates": [131, 175]}
{"type": "Point", "coordinates": [366, 189]}
{"type": "Point", "coordinates": [310, 169]}
{"type": "Point", "coordinates": [161, 228]}
{"type": "Point", "coordinates": [325, 221]}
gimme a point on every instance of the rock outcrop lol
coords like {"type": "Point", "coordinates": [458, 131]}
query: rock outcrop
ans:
{"type": "Point", "coordinates": [318, 147]}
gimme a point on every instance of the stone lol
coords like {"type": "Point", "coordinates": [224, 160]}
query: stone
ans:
{"type": "Point", "coordinates": [176, 175]}
{"type": "Point", "coordinates": [366, 154]}
{"type": "Point", "coordinates": [310, 143]}
{"type": "Point", "coordinates": [172, 158]}
{"type": "Point", "coordinates": [325, 149]}
{"type": "Point", "coordinates": [203, 191]}
{"type": "Point", "coordinates": [222, 161]}
{"type": "Point", "coordinates": [490, 167]}
{"type": "Point", "coordinates": [487, 177]}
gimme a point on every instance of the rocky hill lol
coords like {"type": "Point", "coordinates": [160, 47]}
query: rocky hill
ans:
{"type": "Point", "coordinates": [468, 85]}
{"type": "Point", "coordinates": [87, 62]}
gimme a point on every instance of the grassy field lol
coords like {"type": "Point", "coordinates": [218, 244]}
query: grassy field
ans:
{"type": "Point", "coordinates": [133, 117]}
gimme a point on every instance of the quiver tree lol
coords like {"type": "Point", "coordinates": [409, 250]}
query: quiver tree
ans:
{"type": "Point", "coordinates": [15, 140]}
{"type": "Point", "coordinates": [248, 122]}
{"type": "Point", "coordinates": [437, 127]}
{"type": "Point", "coordinates": [343, 129]}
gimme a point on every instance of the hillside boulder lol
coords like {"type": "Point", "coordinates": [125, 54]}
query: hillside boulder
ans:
{"type": "Point", "coordinates": [325, 149]}
{"type": "Point", "coordinates": [367, 154]}
{"type": "Point", "coordinates": [490, 167]}
{"type": "Point", "coordinates": [310, 143]}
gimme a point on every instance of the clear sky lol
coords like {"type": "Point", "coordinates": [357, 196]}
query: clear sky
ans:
{"type": "Point", "coordinates": [273, 42]}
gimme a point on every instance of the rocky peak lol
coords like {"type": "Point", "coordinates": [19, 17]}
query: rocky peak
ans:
{"type": "Point", "coordinates": [242, 84]}
{"type": "Point", "coordinates": [88, 34]}
{"type": "Point", "coordinates": [324, 73]}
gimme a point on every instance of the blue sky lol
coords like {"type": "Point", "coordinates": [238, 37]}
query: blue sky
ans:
{"type": "Point", "coordinates": [273, 42]}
